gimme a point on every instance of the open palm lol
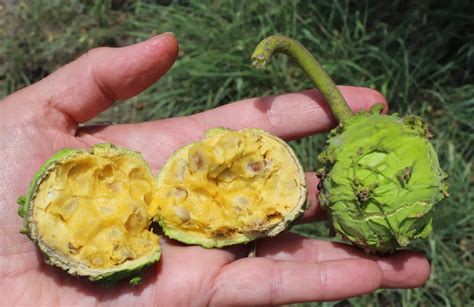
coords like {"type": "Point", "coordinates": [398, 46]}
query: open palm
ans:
{"type": "Point", "coordinates": [43, 118]}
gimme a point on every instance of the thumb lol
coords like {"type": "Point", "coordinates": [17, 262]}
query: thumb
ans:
{"type": "Point", "coordinates": [89, 85]}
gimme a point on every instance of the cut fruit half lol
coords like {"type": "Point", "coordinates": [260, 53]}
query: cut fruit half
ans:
{"type": "Point", "coordinates": [89, 213]}
{"type": "Point", "coordinates": [231, 187]}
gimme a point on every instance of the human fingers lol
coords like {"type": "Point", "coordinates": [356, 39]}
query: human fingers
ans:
{"type": "Point", "coordinates": [288, 116]}
{"type": "Point", "coordinates": [89, 85]}
{"type": "Point", "coordinates": [267, 281]}
{"type": "Point", "coordinates": [404, 269]}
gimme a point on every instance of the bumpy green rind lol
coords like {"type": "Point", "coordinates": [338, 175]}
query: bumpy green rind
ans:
{"type": "Point", "coordinates": [186, 237]}
{"type": "Point", "coordinates": [104, 277]}
{"type": "Point", "coordinates": [380, 180]}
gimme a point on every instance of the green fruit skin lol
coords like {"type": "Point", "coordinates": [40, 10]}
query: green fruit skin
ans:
{"type": "Point", "coordinates": [186, 237]}
{"type": "Point", "coordinates": [380, 180]}
{"type": "Point", "coordinates": [105, 277]}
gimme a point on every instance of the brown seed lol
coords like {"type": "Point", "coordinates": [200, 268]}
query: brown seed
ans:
{"type": "Point", "coordinates": [180, 193]}
{"type": "Point", "coordinates": [180, 169]}
{"type": "Point", "coordinates": [255, 167]}
{"type": "Point", "coordinates": [240, 203]}
{"type": "Point", "coordinates": [114, 186]}
{"type": "Point", "coordinates": [183, 214]}
{"type": "Point", "coordinates": [198, 160]}
{"type": "Point", "coordinates": [53, 195]}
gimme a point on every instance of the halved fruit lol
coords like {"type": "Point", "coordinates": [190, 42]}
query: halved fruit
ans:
{"type": "Point", "coordinates": [231, 187]}
{"type": "Point", "coordinates": [89, 213]}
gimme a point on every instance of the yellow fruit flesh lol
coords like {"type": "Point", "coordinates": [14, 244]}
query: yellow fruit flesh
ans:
{"type": "Point", "coordinates": [93, 209]}
{"type": "Point", "coordinates": [229, 185]}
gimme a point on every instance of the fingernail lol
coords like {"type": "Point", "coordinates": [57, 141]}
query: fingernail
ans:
{"type": "Point", "coordinates": [157, 38]}
{"type": "Point", "coordinates": [167, 33]}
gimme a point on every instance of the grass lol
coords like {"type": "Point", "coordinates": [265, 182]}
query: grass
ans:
{"type": "Point", "coordinates": [420, 54]}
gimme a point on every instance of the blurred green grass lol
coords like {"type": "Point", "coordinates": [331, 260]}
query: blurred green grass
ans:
{"type": "Point", "coordinates": [420, 54]}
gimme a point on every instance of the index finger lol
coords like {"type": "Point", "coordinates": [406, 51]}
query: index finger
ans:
{"type": "Point", "coordinates": [288, 116]}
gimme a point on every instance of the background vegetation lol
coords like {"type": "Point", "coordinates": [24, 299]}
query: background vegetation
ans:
{"type": "Point", "coordinates": [420, 54]}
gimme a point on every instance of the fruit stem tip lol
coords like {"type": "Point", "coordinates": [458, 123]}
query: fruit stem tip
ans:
{"type": "Point", "coordinates": [321, 80]}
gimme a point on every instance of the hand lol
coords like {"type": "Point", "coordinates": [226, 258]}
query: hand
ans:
{"type": "Point", "coordinates": [43, 118]}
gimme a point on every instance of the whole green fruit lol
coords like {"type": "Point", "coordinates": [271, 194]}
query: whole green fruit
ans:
{"type": "Point", "coordinates": [380, 177]}
{"type": "Point", "coordinates": [380, 189]}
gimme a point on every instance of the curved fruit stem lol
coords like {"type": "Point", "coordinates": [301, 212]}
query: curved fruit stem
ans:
{"type": "Point", "coordinates": [282, 44]}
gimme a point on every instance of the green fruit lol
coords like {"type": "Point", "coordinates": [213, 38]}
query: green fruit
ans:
{"type": "Point", "coordinates": [231, 187]}
{"type": "Point", "coordinates": [380, 190]}
{"type": "Point", "coordinates": [380, 176]}
{"type": "Point", "coordinates": [88, 212]}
